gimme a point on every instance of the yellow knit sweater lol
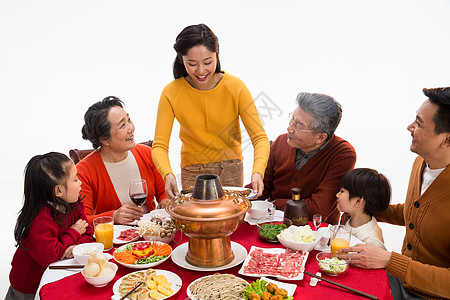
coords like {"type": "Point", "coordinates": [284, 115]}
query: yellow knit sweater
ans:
{"type": "Point", "coordinates": [209, 124]}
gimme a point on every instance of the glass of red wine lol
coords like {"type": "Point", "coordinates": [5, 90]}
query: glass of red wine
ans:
{"type": "Point", "coordinates": [138, 191]}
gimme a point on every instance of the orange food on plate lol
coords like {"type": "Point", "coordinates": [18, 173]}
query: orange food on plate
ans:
{"type": "Point", "coordinates": [125, 256]}
{"type": "Point", "coordinates": [161, 249]}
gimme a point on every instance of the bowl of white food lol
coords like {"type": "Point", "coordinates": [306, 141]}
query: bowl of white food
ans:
{"type": "Point", "coordinates": [300, 238]}
{"type": "Point", "coordinates": [82, 252]}
{"type": "Point", "coordinates": [103, 277]}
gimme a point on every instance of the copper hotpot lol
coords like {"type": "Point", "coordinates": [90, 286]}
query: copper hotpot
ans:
{"type": "Point", "coordinates": [208, 216]}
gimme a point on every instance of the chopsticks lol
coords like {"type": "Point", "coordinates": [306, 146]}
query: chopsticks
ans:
{"type": "Point", "coordinates": [135, 288]}
{"type": "Point", "coordinates": [66, 267]}
{"type": "Point", "coordinates": [342, 286]}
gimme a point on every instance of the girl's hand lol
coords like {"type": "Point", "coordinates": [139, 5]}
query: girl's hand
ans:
{"type": "Point", "coordinates": [68, 253]}
{"type": "Point", "coordinates": [127, 213]}
{"type": "Point", "coordinates": [80, 226]}
{"type": "Point", "coordinates": [171, 188]}
{"type": "Point", "coordinates": [257, 184]}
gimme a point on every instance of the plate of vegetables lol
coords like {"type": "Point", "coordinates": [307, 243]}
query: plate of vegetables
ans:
{"type": "Point", "coordinates": [266, 288]}
{"type": "Point", "coordinates": [142, 255]}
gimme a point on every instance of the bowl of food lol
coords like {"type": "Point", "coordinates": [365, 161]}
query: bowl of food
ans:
{"type": "Point", "coordinates": [258, 210]}
{"type": "Point", "coordinates": [333, 265]}
{"type": "Point", "coordinates": [268, 231]}
{"type": "Point", "coordinates": [300, 238]}
{"type": "Point", "coordinates": [102, 277]}
{"type": "Point", "coordinates": [158, 229]}
{"type": "Point", "coordinates": [82, 252]}
{"type": "Point", "coordinates": [142, 255]}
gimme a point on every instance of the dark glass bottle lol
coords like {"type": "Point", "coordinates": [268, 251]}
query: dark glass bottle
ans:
{"type": "Point", "coordinates": [296, 209]}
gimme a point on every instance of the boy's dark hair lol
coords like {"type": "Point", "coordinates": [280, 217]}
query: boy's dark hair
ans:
{"type": "Point", "coordinates": [370, 185]}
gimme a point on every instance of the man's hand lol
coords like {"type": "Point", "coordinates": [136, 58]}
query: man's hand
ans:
{"type": "Point", "coordinates": [171, 187]}
{"type": "Point", "coordinates": [257, 184]}
{"type": "Point", "coordinates": [368, 256]}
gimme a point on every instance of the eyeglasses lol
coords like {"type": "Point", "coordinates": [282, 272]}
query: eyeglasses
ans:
{"type": "Point", "coordinates": [296, 125]}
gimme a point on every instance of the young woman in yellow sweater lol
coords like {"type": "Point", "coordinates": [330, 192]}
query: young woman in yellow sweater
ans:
{"type": "Point", "coordinates": [207, 103]}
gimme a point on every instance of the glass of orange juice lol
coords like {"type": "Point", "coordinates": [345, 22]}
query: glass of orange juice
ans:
{"type": "Point", "coordinates": [340, 237]}
{"type": "Point", "coordinates": [104, 231]}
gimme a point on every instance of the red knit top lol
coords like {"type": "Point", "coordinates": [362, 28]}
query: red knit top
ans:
{"type": "Point", "coordinates": [100, 197]}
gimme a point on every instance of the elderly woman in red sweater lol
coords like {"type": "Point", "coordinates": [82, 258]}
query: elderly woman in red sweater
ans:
{"type": "Point", "coordinates": [106, 172]}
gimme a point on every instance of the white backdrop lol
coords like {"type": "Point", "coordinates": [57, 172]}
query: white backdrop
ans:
{"type": "Point", "coordinates": [58, 57]}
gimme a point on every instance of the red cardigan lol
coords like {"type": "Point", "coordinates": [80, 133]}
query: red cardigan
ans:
{"type": "Point", "coordinates": [319, 178]}
{"type": "Point", "coordinates": [100, 197]}
{"type": "Point", "coordinates": [45, 244]}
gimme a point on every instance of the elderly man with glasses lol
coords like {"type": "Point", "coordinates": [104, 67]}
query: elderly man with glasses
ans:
{"type": "Point", "coordinates": [311, 157]}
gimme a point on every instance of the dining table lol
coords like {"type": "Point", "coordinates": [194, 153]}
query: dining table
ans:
{"type": "Point", "coordinates": [371, 281]}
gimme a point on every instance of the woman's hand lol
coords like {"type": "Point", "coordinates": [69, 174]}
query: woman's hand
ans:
{"type": "Point", "coordinates": [162, 203]}
{"type": "Point", "coordinates": [257, 184]}
{"type": "Point", "coordinates": [80, 226]}
{"type": "Point", "coordinates": [127, 213]}
{"type": "Point", "coordinates": [368, 256]}
{"type": "Point", "coordinates": [171, 188]}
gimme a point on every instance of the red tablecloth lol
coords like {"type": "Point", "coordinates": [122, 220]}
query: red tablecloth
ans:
{"type": "Point", "coordinates": [374, 282]}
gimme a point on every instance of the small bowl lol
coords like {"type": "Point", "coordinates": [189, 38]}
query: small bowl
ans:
{"type": "Point", "coordinates": [103, 280]}
{"type": "Point", "coordinates": [258, 210]}
{"type": "Point", "coordinates": [158, 238]}
{"type": "Point", "coordinates": [270, 234]}
{"type": "Point", "coordinates": [300, 246]}
{"type": "Point", "coordinates": [333, 268]}
{"type": "Point", "coordinates": [81, 252]}
{"type": "Point", "coordinates": [166, 239]}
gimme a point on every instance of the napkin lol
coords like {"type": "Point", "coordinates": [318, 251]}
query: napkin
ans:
{"type": "Point", "coordinates": [278, 216]}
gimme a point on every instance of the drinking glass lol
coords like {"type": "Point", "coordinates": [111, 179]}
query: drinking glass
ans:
{"type": "Point", "coordinates": [270, 210]}
{"type": "Point", "coordinates": [317, 220]}
{"type": "Point", "coordinates": [340, 236]}
{"type": "Point", "coordinates": [138, 191]}
{"type": "Point", "coordinates": [104, 231]}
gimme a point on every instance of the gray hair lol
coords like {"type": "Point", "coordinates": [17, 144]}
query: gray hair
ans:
{"type": "Point", "coordinates": [324, 110]}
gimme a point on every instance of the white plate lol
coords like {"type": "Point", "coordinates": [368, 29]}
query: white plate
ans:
{"type": "Point", "coordinates": [289, 287]}
{"type": "Point", "coordinates": [171, 277]}
{"type": "Point", "coordinates": [118, 229]}
{"type": "Point", "coordinates": [241, 189]}
{"type": "Point", "coordinates": [179, 258]}
{"type": "Point", "coordinates": [188, 290]}
{"type": "Point", "coordinates": [277, 216]}
{"type": "Point", "coordinates": [272, 251]}
{"type": "Point", "coordinates": [144, 266]}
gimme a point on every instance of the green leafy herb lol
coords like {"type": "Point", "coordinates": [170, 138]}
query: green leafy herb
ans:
{"type": "Point", "coordinates": [270, 231]}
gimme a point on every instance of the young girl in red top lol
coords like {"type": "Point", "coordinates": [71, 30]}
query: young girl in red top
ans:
{"type": "Point", "coordinates": [52, 221]}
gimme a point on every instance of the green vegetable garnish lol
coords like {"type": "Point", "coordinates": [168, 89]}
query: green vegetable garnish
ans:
{"type": "Point", "coordinates": [270, 231]}
{"type": "Point", "coordinates": [258, 286]}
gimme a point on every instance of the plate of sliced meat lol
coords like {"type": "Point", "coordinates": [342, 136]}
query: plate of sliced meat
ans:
{"type": "Point", "coordinates": [125, 234]}
{"type": "Point", "coordinates": [282, 263]}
